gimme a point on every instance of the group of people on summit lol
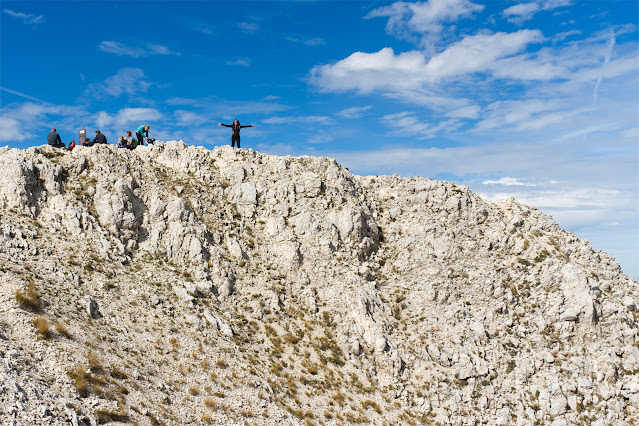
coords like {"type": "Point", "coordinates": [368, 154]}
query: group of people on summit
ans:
{"type": "Point", "coordinates": [129, 142]}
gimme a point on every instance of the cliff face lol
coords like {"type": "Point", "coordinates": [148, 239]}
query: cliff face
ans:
{"type": "Point", "coordinates": [175, 285]}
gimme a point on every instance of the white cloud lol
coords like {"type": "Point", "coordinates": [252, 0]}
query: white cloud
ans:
{"type": "Point", "coordinates": [243, 62]}
{"type": "Point", "coordinates": [387, 72]}
{"type": "Point", "coordinates": [471, 111]}
{"type": "Point", "coordinates": [508, 181]}
{"type": "Point", "coordinates": [130, 81]}
{"type": "Point", "coordinates": [248, 27]}
{"type": "Point", "coordinates": [423, 17]}
{"type": "Point", "coordinates": [127, 117]}
{"type": "Point", "coordinates": [157, 49]}
{"type": "Point", "coordinates": [479, 53]}
{"type": "Point", "coordinates": [353, 112]}
{"type": "Point", "coordinates": [26, 18]}
{"type": "Point", "coordinates": [121, 49]}
{"type": "Point", "coordinates": [407, 124]}
{"type": "Point", "coordinates": [564, 35]}
{"type": "Point", "coordinates": [308, 119]}
{"type": "Point", "coordinates": [518, 113]}
{"type": "Point", "coordinates": [189, 118]}
{"type": "Point", "coordinates": [315, 41]}
{"type": "Point", "coordinates": [522, 12]}
{"type": "Point", "coordinates": [631, 133]}
{"type": "Point", "coordinates": [11, 130]}
{"type": "Point", "coordinates": [27, 121]}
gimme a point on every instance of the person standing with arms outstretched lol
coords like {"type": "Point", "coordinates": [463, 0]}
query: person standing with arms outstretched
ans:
{"type": "Point", "coordinates": [236, 131]}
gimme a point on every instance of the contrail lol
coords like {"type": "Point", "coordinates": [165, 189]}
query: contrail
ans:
{"type": "Point", "coordinates": [25, 95]}
{"type": "Point", "coordinates": [608, 54]}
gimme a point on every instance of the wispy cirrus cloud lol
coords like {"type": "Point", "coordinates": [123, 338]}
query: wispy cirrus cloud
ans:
{"type": "Point", "coordinates": [353, 112]}
{"type": "Point", "coordinates": [26, 18]}
{"type": "Point", "coordinates": [522, 12]}
{"type": "Point", "coordinates": [143, 51]}
{"type": "Point", "coordinates": [248, 27]}
{"type": "Point", "coordinates": [509, 181]}
{"type": "Point", "coordinates": [407, 123]}
{"type": "Point", "coordinates": [315, 41]}
{"type": "Point", "coordinates": [242, 62]}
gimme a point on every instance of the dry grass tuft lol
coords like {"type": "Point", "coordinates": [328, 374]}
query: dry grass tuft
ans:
{"type": "Point", "coordinates": [95, 363]}
{"type": "Point", "coordinates": [62, 329]}
{"type": "Point", "coordinates": [210, 403]}
{"type": "Point", "coordinates": [29, 299]}
{"type": "Point", "coordinates": [43, 328]}
{"type": "Point", "coordinates": [81, 379]}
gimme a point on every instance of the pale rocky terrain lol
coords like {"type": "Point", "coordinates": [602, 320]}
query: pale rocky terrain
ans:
{"type": "Point", "coordinates": [178, 285]}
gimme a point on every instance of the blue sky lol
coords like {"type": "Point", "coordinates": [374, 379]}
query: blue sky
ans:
{"type": "Point", "coordinates": [534, 99]}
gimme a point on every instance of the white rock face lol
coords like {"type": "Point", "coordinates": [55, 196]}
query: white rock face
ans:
{"type": "Point", "coordinates": [237, 287]}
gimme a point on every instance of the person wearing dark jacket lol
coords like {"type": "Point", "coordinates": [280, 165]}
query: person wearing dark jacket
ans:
{"type": "Point", "coordinates": [236, 131]}
{"type": "Point", "coordinates": [54, 139]}
{"type": "Point", "coordinates": [99, 137]}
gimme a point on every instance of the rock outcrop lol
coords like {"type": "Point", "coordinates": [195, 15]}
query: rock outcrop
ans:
{"type": "Point", "coordinates": [174, 284]}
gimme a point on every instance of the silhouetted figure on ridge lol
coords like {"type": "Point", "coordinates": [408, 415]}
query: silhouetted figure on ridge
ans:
{"type": "Point", "coordinates": [236, 131]}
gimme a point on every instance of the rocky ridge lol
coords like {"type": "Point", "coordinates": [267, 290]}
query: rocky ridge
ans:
{"type": "Point", "coordinates": [178, 285]}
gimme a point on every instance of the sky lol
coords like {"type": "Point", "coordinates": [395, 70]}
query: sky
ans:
{"type": "Point", "coordinates": [535, 99]}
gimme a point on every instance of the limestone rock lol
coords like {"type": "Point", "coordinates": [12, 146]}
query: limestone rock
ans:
{"type": "Point", "coordinates": [239, 287]}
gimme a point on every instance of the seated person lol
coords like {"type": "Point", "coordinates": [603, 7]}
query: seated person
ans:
{"type": "Point", "coordinates": [54, 140]}
{"type": "Point", "coordinates": [129, 137]}
{"type": "Point", "coordinates": [122, 143]}
{"type": "Point", "coordinates": [99, 138]}
{"type": "Point", "coordinates": [71, 146]}
{"type": "Point", "coordinates": [87, 142]}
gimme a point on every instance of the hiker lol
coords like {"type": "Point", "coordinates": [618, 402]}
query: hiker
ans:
{"type": "Point", "coordinates": [87, 142]}
{"type": "Point", "coordinates": [236, 131]}
{"type": "Point", "coordinates": [142, 130]}
{"type": "Point", "coordinates": [54, 139]}
{"type": "Point", "coordinates": [122, 142]}
{"type": "Point", "coordinates": [131, 141]}
{"type": "Point", "coordinates": [99, 138]}
{"type": "Point", "coordinates": [71, 146]}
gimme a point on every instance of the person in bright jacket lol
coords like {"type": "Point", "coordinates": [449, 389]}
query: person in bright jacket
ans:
{"type": "Point", "coordinates": [236, 131]}
{"type": "Point", "coordinates": [142, 130]}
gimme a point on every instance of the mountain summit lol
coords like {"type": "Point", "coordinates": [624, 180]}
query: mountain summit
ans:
{"type": "Point", "coordinates": [177, 285]}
